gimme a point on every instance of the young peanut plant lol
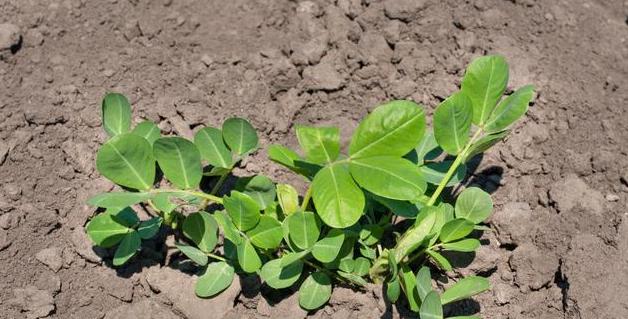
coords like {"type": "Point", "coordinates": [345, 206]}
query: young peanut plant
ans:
{"type": "Point", "coordinates": [374, 214]}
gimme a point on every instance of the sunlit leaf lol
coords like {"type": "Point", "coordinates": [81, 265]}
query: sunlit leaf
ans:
{"type": "Point", "coordinates": [452, 123]}
{"type": "Point", "coordinates": [466, 245]}
{"type": "Point", "coordinates": [393, 290]}
{"type": "Point", "coordinates": [118, 199]}
{"type": "Point", "coordinates": [486, 142]}
{"type": "Point", "coordinates": [326, 249]}
{"type": "Point", "coordinates": [465, 288]}
{"type": "Point", "coordinates": [201, 228]}
{"type": "Point", "coordinates": [474, 204]}
{"type": "Point", "coordinates": [243, 210]}
{"type": "Point", "coordinates": [277, 276]}
{"type": "Point", "coordinates": [248, 258]}
{"type": "Point", "coordinates": [212, 147]}
{"type": "Point", "coordinates": [408, 282]}
{"type": "Point", "coordinates": [258, 187]}
{"type": "Point", "coordinates": [267, 233]}
{"type": "Point", "coordinates": [339, 201]}
{"type": "Point", "coordinates": [435, 172]}
{"type": "Point", "coordinates": [180, 161]}
{"type": "Point", "coordinates": [423, 282]}
{"type": "Point", "coordinates": [288, 199]}
{"type": "Point", "coordinates": [484, 82]}
{"type": "Point", "coordinates": [193, 253]}
{"type": "Point", "coordinates": [148, 130]}
{"type": "Point", "coordinates": [127, 160]}
{"type": "Point", "coordinates": [388, 176]}
{"type": "Point", "coordinates": [431, 308]}
{"type": "Point", "coordinates": [510, 109]}
{"type": "Point", "coordinates": [116, 114]}
{"type": "Point", "coordinates": [440, 260]}
{"type": "Point", "coordinates": [304, 229]}
{"type": "Point", "coordinates": [217, 277]}
{"type": "Point", "coordinates": [455, 229]}
{"type": "Point", "coordinates": [320, 144]}
{"type": "Point", "coordinates": [128, 248]}
{"type": "Point", "coordinates": [239, 135]}
{"type": "Point", "coordinates": [315, 291]}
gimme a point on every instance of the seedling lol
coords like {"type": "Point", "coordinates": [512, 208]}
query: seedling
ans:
{"type": "Point", "coordinates": [374, 214]}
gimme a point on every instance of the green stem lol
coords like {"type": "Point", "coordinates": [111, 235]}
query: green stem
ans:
{"type": "Point", "coordinates": [452, 169]}
{"type": "Point", "coordinates": [219, 183]}
{"type": "Point", "coordinates": [325, 270]}
{"type": "Point", "coordinates": [306, 198]}
{"type": "Point", "coordinates": [209, 197]}
{"type": "Point", "coordinates": [216, 257]}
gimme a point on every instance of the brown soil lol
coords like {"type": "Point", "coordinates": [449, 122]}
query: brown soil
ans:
{"type": "Point", "coordinates": [560, 182]}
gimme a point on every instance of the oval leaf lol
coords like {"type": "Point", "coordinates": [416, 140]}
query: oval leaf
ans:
{"type": "Point", "coordinates": [267, 234]}
{"type": "Point", "coordinates": [149, 228]}
{"type": "Point", "coordinates": [229, 230]}
{"type": "Point", "coordinates": [180, 161]}
{"type": "Point", "coordinates": [431, 308]}
{"type": "Point", "coordinates": [510, 109]}
{"type": "Point", "coordinates": [361, 266]}
{"type": "Point", "coordinates": [242, 209]}
{"type": "Point", "coordinates": [338, 200]}
{"type": "Point", "coordinates": [247, 257]}
{"type": "Point", "coordinates": [452, 123]}
{"type": "Point", "coordinates": [106, 232]}
{"type": "Point", "coordinates": [217, 277]}
{"type": "Point", "coordinates": [474, 205]}
{"type": "Point", "coordinates": [435, 172]}
{"type": "Point", "coordinates": [392, 129]}
{"type": "Point", "coordinates": [486, 142]}
{"type": "Point", "coordinates": [201, 228]}
{"type": "Point", "coordinates": [423, 282]}
{"type": "Point", "coordinates": [290, 258]}
{"type": "Point", "coordinates": [466, 245]}
{"type": "Point", "coordinates": [388, 176]}
{"type": "Point", "coordinates": [393, 290]}
{"type": "Point", "coordinates": [128, 248]}
{"type": "Point", "coordinates": [465, 288]}
{"type": "Point", "coordinates": [212, 147]}
{"type": "Point", "coordinates": [148, 130]}
{"type": "Point", "coordinates": [440, 260]}
{"type": "Point", "coordinates": [116, 114]}
{"type": "Point", "coordinates": [239, 135]}
{"type": "Point", "coordinates": [320, 144]}
{"type": "Point", "coordinates": [456, 229]}
{"type": "Point", "coordinates": [118, 199]}
{"type": "Point", "coordinates": [304, 229]}
{"type": "Point", "coordinates": [326, 249]}
{"type": "Point", "coordinates": [259, 187]}
{"type": "Point", "coordinates": [414, 237]}
{"type": "Point", "coordinates": [127, 160]}
{"type": "Point", "coordinates": [288, 199]}
{"type": "Point", "coordinates": [427, 149]}
{"type": "Point", "coordinates": [484, 82]}
{"type": "Point", "coordinates": [193, 253]}
{"type": "Point", "coordinates": [315, 291]}
{"type": "Point", "coordinates": [277, 276]}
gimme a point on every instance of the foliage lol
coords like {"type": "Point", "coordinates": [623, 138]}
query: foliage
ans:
{"type": "Point", "coordinates": [374, 214]}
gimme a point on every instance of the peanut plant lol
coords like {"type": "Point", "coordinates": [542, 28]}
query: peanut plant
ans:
{"type": "Point", "coordinates": [373, 214]}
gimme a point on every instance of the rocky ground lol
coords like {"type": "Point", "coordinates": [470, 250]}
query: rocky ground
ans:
{"type": "Point", "coordinates": [560, 182]}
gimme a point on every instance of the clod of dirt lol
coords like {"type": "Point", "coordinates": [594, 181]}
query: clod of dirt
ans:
{"type": "Point", "coordinates": [405, 10]}
{"type": "Point", "coordinates": [84, 246]}
{"type": "Point", "coordinates": [534, 268]}
{"type": "Point", "coordinates": [115, 285]}
{"type": "Point", "coordinates": [286, 308]}
{"type": "Point", "coordinates": [10, 37]}
{"type": "Point", "coordinates": [572, 191]}
{"type": "Point", "coordinates": [323, 76]}
{"type": "Point", "coordinates": [51, 257]}
{"type": "Point", "coordinates": [513, 222]}
{"type": "Point", "coordinates": [175, 286]}
{"type": "Point", "coordinates": [5, 241]}
{"type": "Point", "coordinates": [375, 48]}
{"type": "Point", "coordinates": [145, 309]}
{"type": "Point", "coordinates": [36, 303]}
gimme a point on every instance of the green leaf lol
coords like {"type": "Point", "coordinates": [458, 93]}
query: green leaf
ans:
{"type": "Point", "coordinates": [163, 203]}
{"type": "Point", "coordinates": [486, 142]}
{"type": "Point", "coordinates": [320, 144]}
{"type": "Point", "coordinates": [239, 135]}
{"type": "Point", "coordinates": [212, 147]}
{"type": "Point", "coordinates": [116, 114]}
{"type": "Point", "coordinates": [290, 258]}
{"type": "Point", "coordinates": [399, 208]}
{"type": "Point", "coordinates": [288, 199]}
{"type": "Point", "coordinates": [388, 176]}
{"type": "Point", "coordinates": [361, 266]}
{"type": "Point", "coordinates": [338, 200]}
{"type": "Point", "coordinates": [201, 228]}
{"type": "Point", "coordinates": [510, 109]}
{"type": "Point", "coordinates": [267, 234]}
{"type": "Point", "coordinates": [149, 228]}
{"type": "Point", "coordinates": [427, 149]}
{"type": "Point", "coordinates": [392, 129]}
{"type": "Point", "coordinates": [217, 277]}
{"type": "Point", "coordinates": [353, 278]}
{"type": "Point", "coordinates": [127, 160]}
{"type": "Point", "coordinates": [278, 277]}
{"type": "Point", "coordinates": [248, 258]}
{"type": "Point", "coordinates": [228, 228]}
{"type": "Point", "coordinates": [393, 267]}
{"type": "Point", "coordinates": [423, 282]}
{"type": "Point", "coordinates": [290, 159]}
{"type": "Point", "coordinates": [128, 248]}
{"type": "Point", "coordinates": [148, 130]}
{"type": "Point", "coordinates": [455, 229]}
{"type": "Point", "coordinates": [315, 291]}
{"type": "Point", "coordinates": [435, 172]}
{"type": "Point", "coordinates": [106, 232]}
{"type": "Point", "coordinates": [431, 308]}
{"type": "Point", "coordinates": [484, 82]}
{"type": "Point", "coordinates": [393, 290]}
{"type": "Point", "coordinates": [440, 260]}
{"type": "Point", "coordinates": [466, 245]}
{"type": "Point", "coordinates": [474, 204]}
{"type": "Point", "coordinates": [408, 282]}
{"type": "Point", "coordinates": [326, 249]}
{"type": "Point", "coordinates": [444, 214]}
{"type": "Point", "coordinates": [465, 288]}
{"type": "Point", "coordinates": [193, 253]}
{"type": "Point", "coordinates": [243, 210]}
{"type": "Point", "coordinates": [180, 161]}
{"type": "Point", "coordinates": [414, 237]}
{"type": "Point", "coordinates": [125, 216]}
{"type": "Point", "coordinates": [452, 123]}
{"type": "Point", "coordinates": [118, 199]}
{"type": "Point", "coordinates": [259, 187]}
{"type": "Point", "coordinates": [304, 229]}
{"type": "Point", "coordinates": [344, 261]}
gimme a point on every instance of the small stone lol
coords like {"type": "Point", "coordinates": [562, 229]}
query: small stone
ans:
{"type": "Point", "coordinates": [207, 60]}
{"type": "Point", "coordinates": [10, 37]}
{"type": "Point", "coordinates": [612, 197]}
{"type": "Point", "coordinates": [6, 221]}
{"type": "Point", "coordinates": [51, 257]}
{"type": "Point", "coordinates": [13, 191]}
{"type": "Point", "coordinates": [108, 73]}
{"type": "Point", "coordinates": [35, 302]}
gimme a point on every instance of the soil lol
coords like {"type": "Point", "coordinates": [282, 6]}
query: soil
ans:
{"type": "Point", "coordinates": [560, 182]}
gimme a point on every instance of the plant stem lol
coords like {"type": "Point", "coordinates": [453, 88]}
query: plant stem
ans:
{"type": "Point", "coordinates": [306, 198]}
{"type": "Point", "coordinates": [209, 197]}
{"type": "Point", "coordinates": [216, 257]}
{"type": "Point", "coordinates": [219, 183]}
{"type": "Point", "coordinates": [452, 169]}
{"type": "Point", "coordinates": [325, 270]}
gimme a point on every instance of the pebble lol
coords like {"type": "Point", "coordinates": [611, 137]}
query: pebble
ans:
{"type": "Point", "coordinates": [207, 60]}
{"type": "Point", "coordinates": [108, 73]}
{"type": "Point", "coordinates": [612, 197]}
{"type": "Point", "coordinates": [51, 257]}
{"type": "Point", "coordinates": [10, 36]}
